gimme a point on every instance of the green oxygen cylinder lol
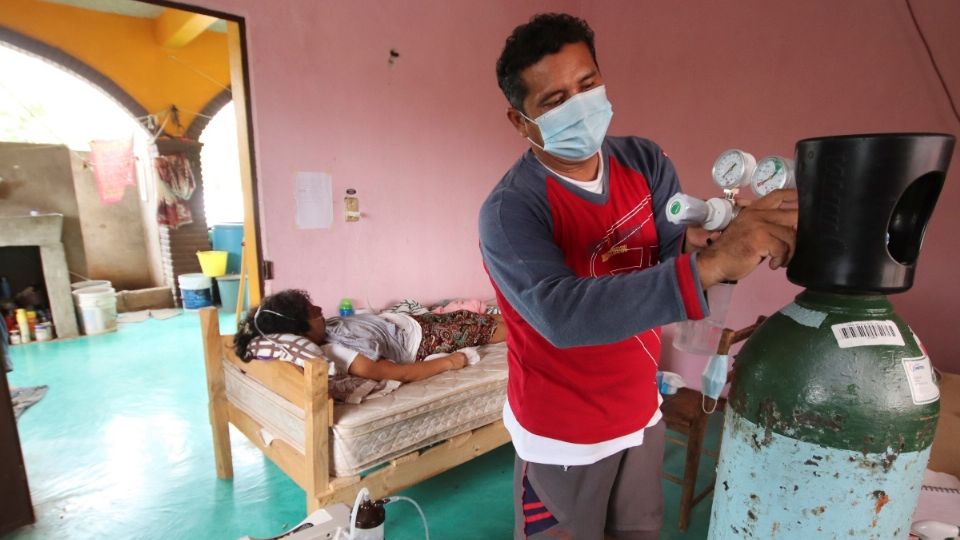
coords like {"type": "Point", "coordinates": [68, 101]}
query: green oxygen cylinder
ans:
{"type": "Point", "coordinates": [834, 402]}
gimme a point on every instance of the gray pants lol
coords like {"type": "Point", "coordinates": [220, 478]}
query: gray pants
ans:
{"type": "Point", "coordinates": [619, 495]}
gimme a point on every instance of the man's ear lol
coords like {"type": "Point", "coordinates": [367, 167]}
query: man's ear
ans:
{"type": "Point", "coordinates": [519, 123]}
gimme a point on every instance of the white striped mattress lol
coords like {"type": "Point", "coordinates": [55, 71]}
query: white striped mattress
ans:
{"type": "Point", "coordinates": [413, 416]}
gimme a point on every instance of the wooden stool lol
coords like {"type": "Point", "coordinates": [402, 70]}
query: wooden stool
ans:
{"type": "Point", "coordinates": [683, 413]}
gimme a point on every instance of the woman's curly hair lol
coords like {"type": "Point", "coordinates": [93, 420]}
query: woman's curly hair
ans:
{"type": "Point", "coordinates": [293, 304]}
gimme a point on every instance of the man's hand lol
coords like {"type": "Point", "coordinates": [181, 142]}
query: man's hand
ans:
{"type": "Point", "coordinates": [698, 238]}
{"type": "Point", "coordinates": [764, 229]}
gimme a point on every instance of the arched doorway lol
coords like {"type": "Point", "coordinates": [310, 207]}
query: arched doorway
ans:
{"type": "Point", "coordinates": [45, 41]}
{"type": "Point", "coordinates": [48, 117]}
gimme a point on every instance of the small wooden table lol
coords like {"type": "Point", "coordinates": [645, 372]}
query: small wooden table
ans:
{"type": "Point", "coordinates": [16, 510]}
{"type": "Point", "coordinates": [683, 413]}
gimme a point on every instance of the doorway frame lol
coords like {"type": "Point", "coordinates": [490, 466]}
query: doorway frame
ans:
{"type": "Point", "coordinates": [242, 103]}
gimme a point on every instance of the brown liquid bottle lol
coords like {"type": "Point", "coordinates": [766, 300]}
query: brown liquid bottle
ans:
{"type": "Point", "coordinates": [370, 520]}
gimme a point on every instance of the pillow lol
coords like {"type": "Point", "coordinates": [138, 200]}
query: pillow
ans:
{"type": "Point", "coordinates": [410, 307]}
{"type": "Point", "coordinates": [287, 347]}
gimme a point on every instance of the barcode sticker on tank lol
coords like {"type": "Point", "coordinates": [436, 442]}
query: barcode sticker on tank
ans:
{"type": "Point", "coordinates": [923, 389]}
{"type": "Point", "coordinates": [866, 333]}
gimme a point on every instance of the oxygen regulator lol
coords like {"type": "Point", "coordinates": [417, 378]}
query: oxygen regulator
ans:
{"type": "Point", "coordinates": [732, 170]}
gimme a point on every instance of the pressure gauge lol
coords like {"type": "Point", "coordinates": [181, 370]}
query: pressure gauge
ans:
{"type": "Point", "coordinates": [772, 173]}
{"type": "Point", "coordinates": [733, 169]}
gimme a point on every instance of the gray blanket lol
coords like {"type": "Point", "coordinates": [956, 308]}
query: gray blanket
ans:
{"type": "Point", "coordinates": [24, 397]}
{"type": "Point", "coordinates": [370, 335]}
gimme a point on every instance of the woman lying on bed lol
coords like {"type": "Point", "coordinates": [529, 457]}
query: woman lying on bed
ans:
{"type": "Point", "coordinates": [363, 348]}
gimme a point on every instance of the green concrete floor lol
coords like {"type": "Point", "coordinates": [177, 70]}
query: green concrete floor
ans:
{"type": "Point", "coordinates": [120, 447]}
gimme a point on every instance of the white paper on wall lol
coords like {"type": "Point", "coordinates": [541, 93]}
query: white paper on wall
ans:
{"type": "Point", "coordinates": [314, 195]}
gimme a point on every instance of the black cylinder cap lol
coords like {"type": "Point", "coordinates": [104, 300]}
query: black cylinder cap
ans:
{"type": "Point", "coordinates": [865, 201]}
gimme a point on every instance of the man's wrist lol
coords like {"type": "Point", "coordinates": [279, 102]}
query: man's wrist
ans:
{"type": "Point", "coordinates": [707, 270]}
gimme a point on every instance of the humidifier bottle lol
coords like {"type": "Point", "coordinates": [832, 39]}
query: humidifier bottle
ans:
{"type": "Point", "coordinates": [370, 520]}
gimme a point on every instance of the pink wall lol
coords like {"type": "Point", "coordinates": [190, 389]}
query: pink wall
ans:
{"type": "Point", "coordinates": [702, 77]}
{"type": "Point", "coordinates": [424, 141]}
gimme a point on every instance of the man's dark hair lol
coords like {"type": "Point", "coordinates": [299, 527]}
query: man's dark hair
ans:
{"type": "Point", "coordinates": [293, 304]}
{"type": "Point", "coordinates": [545, 34]}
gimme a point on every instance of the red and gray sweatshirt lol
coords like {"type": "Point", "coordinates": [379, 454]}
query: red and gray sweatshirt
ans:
{"type": "Point", "coordinates": [584, 282]}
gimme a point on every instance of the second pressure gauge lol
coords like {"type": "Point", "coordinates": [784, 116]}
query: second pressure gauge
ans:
{"type": "Point", "coordinates": [772, 173]}
{"type": "Point", "coordinates": [733, 169]}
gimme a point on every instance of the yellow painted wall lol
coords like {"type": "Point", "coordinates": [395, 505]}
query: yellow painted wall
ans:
{"type": "Point", "coordinates": [125, 49]}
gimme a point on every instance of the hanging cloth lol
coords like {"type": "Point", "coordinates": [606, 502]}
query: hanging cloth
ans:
{"type": "Point", "coordinates": [114, 168]}
{"type": "Point", "coordinates": [176, 185]}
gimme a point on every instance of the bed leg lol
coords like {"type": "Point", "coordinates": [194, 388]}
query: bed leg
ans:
{"type": "Point", "coordinates": [317, 429]}
{"type": "Point", "coordinates": [216, 389]}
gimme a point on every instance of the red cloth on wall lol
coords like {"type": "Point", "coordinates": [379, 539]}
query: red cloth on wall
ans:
{"type": "Point", "coordinates": [175, 186]}
{"type": "Point", "coordinates": [114, 168]}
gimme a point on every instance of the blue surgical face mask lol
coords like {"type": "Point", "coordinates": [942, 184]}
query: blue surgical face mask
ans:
{"type": "Point", "coordinates": [575, 129]}
{"type": "Point", "coordinates": [714, 377]}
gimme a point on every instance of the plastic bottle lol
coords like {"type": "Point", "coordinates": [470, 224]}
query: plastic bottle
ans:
{"type": "Point", "coordinates": [703, 336]}
{"type": "Point", "coordinates": [32, 321]}
{"type": "Point", "coordinates": [370, 520]}
{"type": "Point", "coordinates": [346, 307]}
{"type": "Point", "coordinates": [5, 291]}
{"type": "Point", "coordinates": [351, 205]}
{"type": "Point", "coordinates": [24, 325]}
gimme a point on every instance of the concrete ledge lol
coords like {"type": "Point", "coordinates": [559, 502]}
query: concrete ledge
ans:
{"type": "Point", "coordinates": [153, 298]}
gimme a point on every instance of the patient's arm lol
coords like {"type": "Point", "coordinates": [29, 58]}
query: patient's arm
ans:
{"type": "Point", "coordinates": [387, 370]}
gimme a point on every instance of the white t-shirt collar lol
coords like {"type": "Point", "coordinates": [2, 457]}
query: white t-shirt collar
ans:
{"type": "Point", "coordinates": [593, 186]}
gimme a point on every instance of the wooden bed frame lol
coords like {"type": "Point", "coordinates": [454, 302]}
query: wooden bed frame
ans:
{"type": "Point", "coordinates": [307, 389]}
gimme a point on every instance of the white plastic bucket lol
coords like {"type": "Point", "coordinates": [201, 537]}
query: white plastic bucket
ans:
{"type": "Point", "coordinates": [89, 284]}
{"type": "Point", "coordinates": [98, 309]}
{"type": "Point", "coordinates": [195, 291]}
{"type": "Point", "coordinates": [91, 289]}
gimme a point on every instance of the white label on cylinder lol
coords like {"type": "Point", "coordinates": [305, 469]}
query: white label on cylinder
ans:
{"type": "Point", "coordinates": [865, 333]}
{"type": "Point", "coordinates": [923, 389]}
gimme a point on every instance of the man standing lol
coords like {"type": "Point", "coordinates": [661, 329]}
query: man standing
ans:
{"type": "Point", "coordinates": [586, 269]}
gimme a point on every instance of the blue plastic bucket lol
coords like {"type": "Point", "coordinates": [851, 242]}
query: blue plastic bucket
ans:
{"type": "Point", "coordinates": [229, 287]}
{"type": "Point", "coordinates": [229, 237]}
